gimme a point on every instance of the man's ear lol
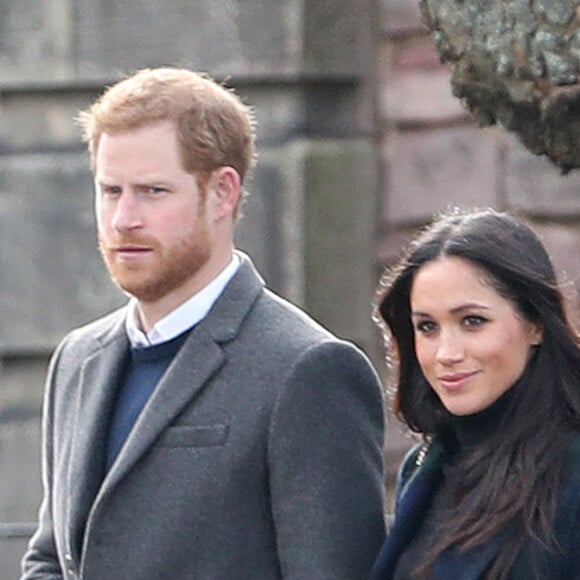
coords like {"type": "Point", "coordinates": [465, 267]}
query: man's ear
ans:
{"type": "Point", "coordinates": [227, 191]}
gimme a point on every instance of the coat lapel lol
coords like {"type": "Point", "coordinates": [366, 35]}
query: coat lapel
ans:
{"type": "Point", "coordinates": [97, 386]}
{"type": "Point", "coordinates": [416, 495]}
{"type": "Point", "coordinates": [198, 360]}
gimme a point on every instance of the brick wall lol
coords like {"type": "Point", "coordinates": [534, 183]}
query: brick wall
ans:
{"type": "Point", "coordinates": [434, 155]}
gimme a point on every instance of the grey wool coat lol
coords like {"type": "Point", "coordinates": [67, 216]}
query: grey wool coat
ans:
{"type": "Point", "coordinates": [258, 456]}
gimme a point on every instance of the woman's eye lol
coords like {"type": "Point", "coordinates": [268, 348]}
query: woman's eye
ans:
{"type": "Point", "coordinates": [425, 326]}
{"type": "Point", "coordinates": [474, 321]}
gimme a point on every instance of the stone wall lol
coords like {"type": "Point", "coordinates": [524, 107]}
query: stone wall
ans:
{"type": "Point", "coordinates": [435, 156]}
{"type": "Point", "coordinates": [305, 65]}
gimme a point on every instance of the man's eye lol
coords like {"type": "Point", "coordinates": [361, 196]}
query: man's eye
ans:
{"type": "Point", "coordinates": [111, 190]}
{"type": "Point", "coordinates": [155, 190]}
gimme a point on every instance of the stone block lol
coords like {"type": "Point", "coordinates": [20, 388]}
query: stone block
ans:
{"type": "Point", "coordinates": [401, 16]}
{"type": "Point", "coordinates": [415, 98]}
{"type": "Point", "coordinates": [279, 111]}
{"type": "Point", "coordinates": [258, 231]}
{"type": "Point", "coordinates": [11, 551]}
{"type": "Point", "coordinates": [537, 187]}
{"type": "Point", "coordinates": [301, 110]}
{"type": "Point", "coordinates": [36, 41]}
{"type": "Point", "coordinates": [21, 388]}
{"type": "Point", "coordinates": [430, 170]}
{"type": "Point", "coordinates": [41, 120]}
{"type": "Point", "coordinates": [20, 461]}
{"type": "Point", "coordinates": [415, 87]}
{"type": "Point", "coordinates": [271, 230]}
{"type": "Point", "coordinates": [563, 244]}
{"type": "Point", "coordinates": [337, 37]}
{"type": "Point", "coordinates": [53, 277]}
{"type": "Point", "coordinates": [392, 243]}
{"type": "Point", "coordinates": [250, 38]}
{"type": "Point", "coordinates": [417, 52]}
{"type": "Point", "coordinates": [339, 213]}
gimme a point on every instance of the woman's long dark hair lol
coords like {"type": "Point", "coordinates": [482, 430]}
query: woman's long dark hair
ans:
{"type": "Point", "coordinates": [511, 483]}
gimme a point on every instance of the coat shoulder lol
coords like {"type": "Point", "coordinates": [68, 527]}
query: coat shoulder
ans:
{"type": "Point", "coordinates": [81, 341]}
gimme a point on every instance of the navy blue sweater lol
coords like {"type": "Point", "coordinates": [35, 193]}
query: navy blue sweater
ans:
{"type": "Point", "coordinates": [144, 369]}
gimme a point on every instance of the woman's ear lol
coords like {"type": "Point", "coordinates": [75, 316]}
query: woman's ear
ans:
{"type": "Point", "coordinates": [536, 334]}
{"type": "Point", "coordinates": [227, 191]}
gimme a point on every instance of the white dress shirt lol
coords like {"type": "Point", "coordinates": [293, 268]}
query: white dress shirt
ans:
{"type": "Point", "coordinates": [184, 316]}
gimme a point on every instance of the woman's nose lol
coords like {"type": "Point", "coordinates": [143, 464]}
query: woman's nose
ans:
{"type": "Point", "coordinates": [450, 348]}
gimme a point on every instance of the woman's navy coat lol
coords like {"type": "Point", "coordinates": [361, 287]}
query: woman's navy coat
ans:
{"type": "Point", "coordinates": [418, 479]}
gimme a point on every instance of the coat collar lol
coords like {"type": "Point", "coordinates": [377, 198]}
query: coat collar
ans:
{"type": "Point", "coordinates": [421, 482]}
{"type": "Point", "coordinates": [223, 319]}
{"type": "Point", "coordinates": [415, 496]}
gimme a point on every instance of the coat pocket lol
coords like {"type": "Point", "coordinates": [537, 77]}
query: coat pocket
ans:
{"type": "Point", "coordinates": [194, 436]}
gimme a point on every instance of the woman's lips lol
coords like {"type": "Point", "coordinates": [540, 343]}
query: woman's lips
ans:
{"type": "Point", "coordinates": [456, 381]}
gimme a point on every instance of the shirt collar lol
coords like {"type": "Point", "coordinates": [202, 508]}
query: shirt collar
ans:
{"type": "Point", "coordinates": [184, 316]}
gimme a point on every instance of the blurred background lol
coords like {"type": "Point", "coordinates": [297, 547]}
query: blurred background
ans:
{"type": "Point", "coordinates": [360, 142]}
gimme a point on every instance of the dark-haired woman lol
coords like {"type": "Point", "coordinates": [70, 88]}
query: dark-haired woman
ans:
{"type": "Point", "coordinates": [487, 371]}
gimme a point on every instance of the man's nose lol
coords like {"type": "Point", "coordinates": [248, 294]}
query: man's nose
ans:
{"type": "Point", "coordinates": [127, 214]}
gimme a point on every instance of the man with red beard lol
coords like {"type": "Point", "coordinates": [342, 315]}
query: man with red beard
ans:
{"type": "Point", "coordinates": [209, 429]}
